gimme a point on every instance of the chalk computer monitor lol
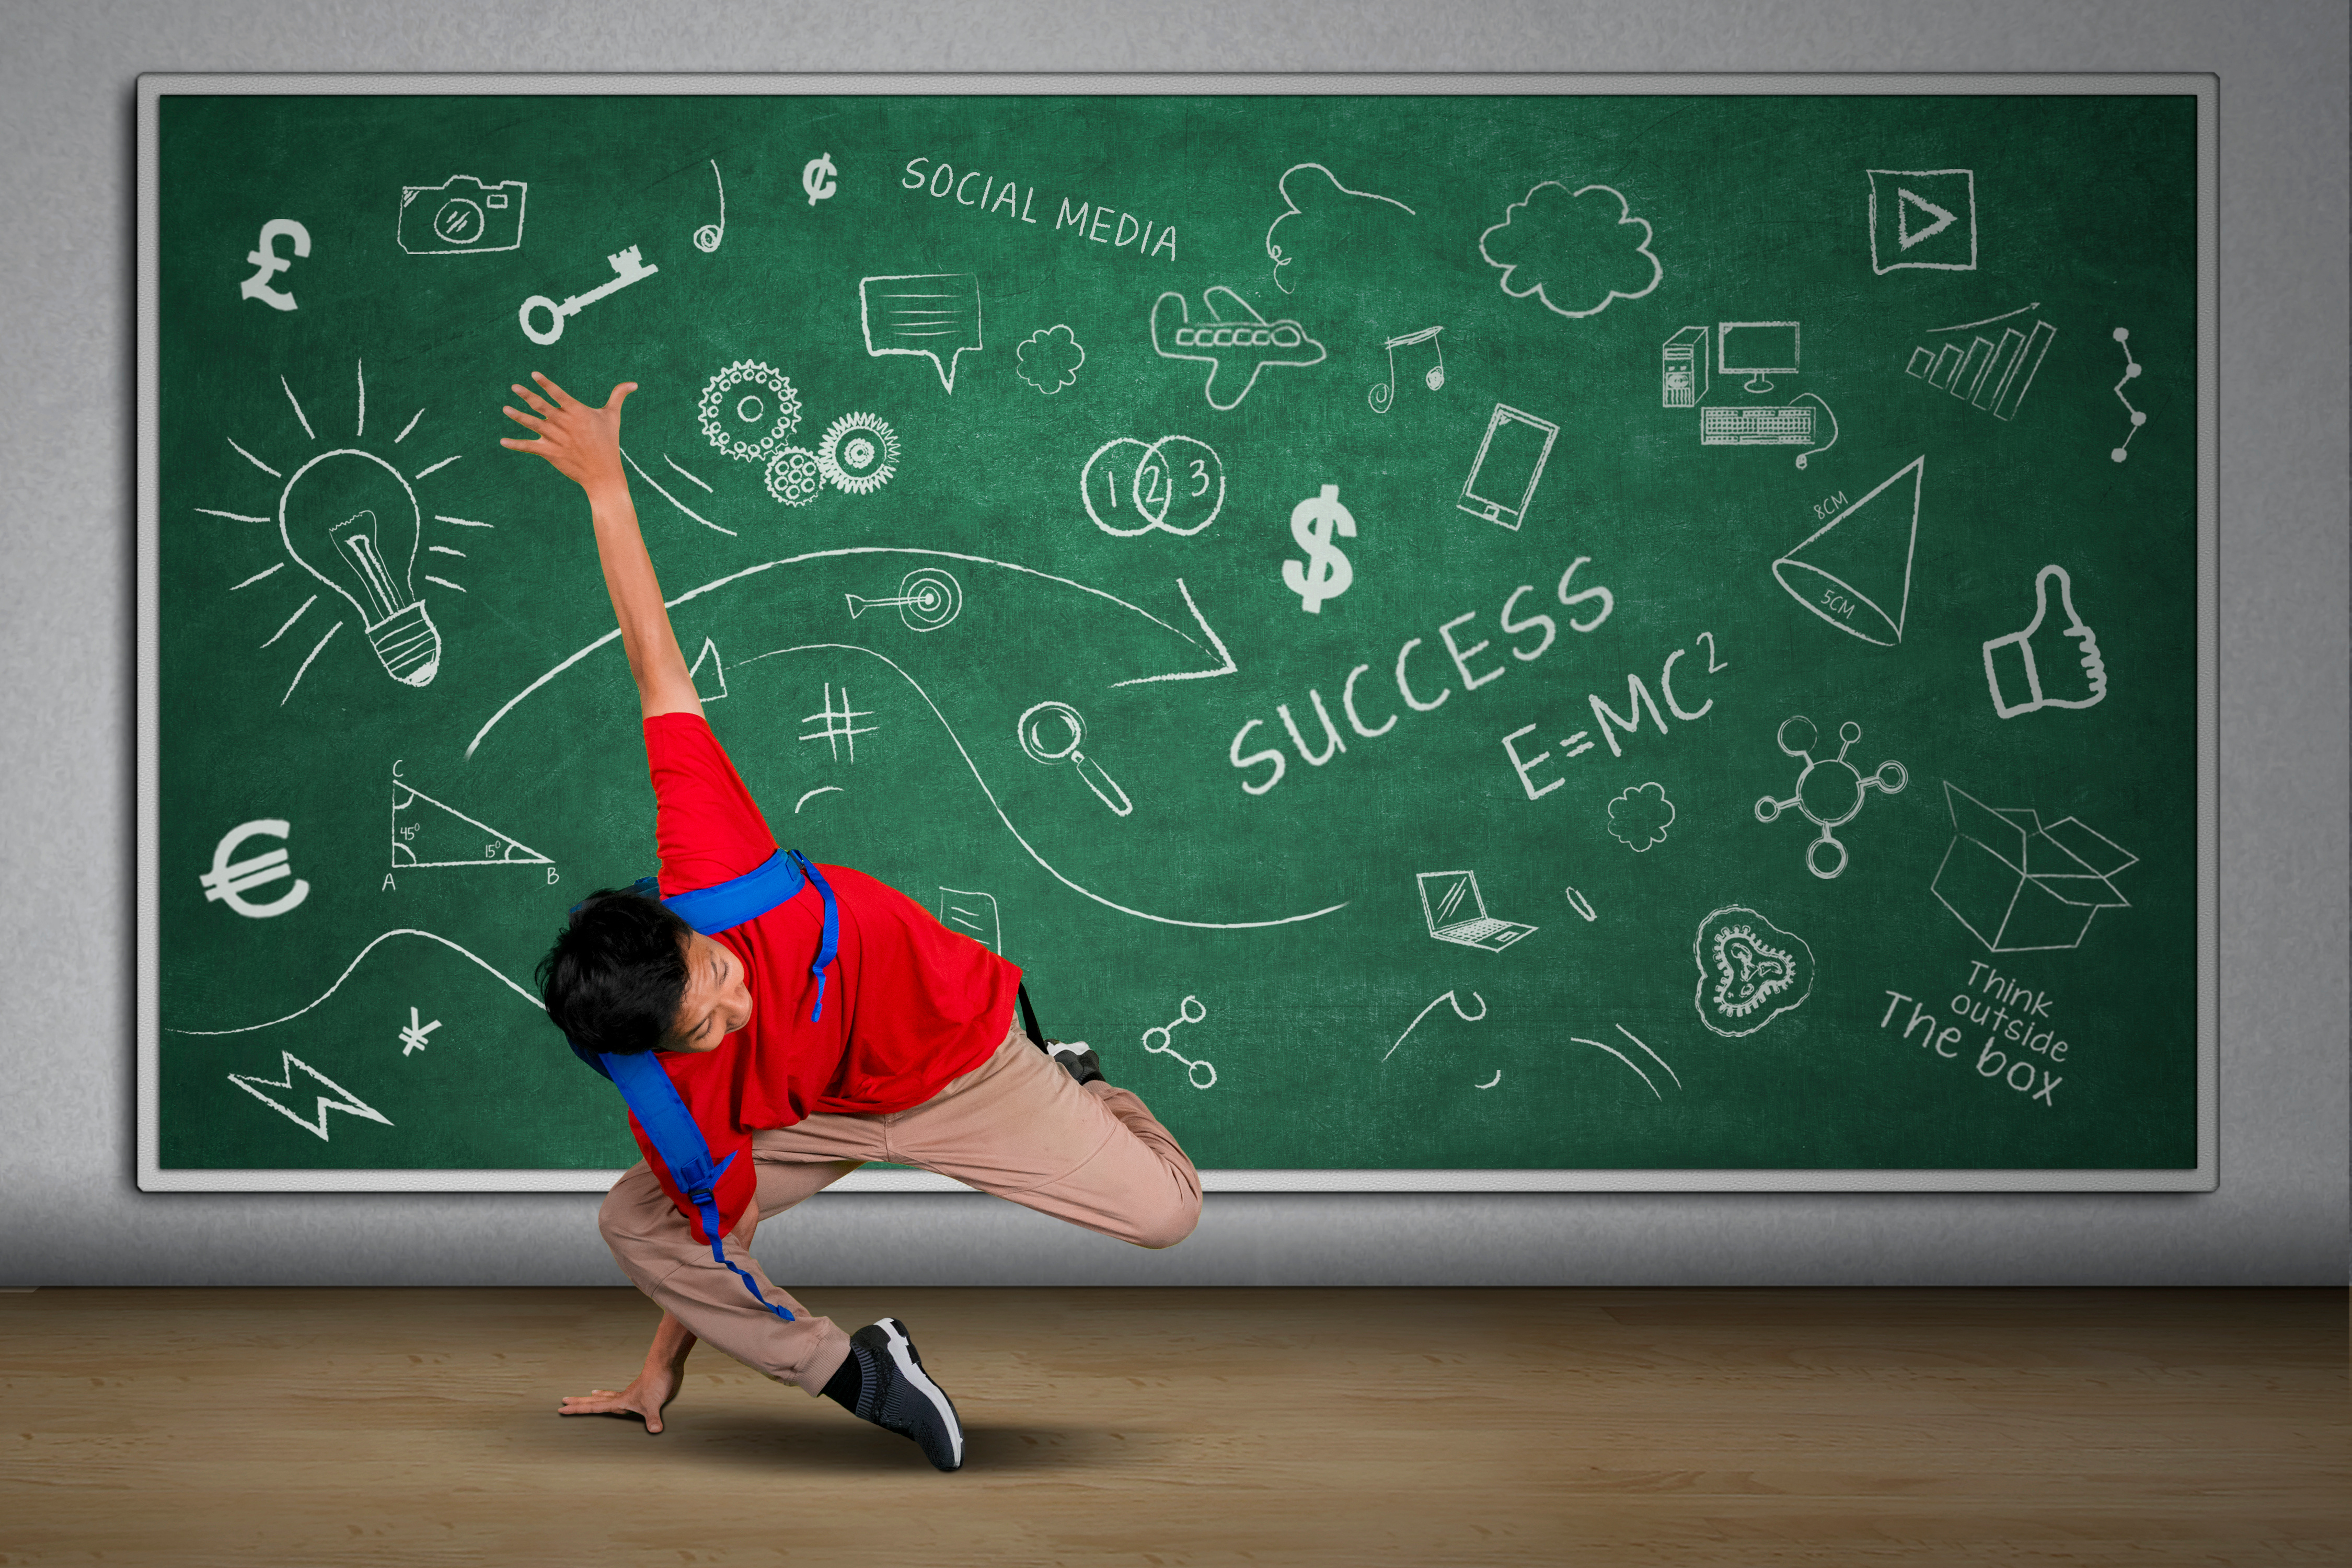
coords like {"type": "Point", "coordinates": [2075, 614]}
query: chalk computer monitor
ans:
{"type": "Point", "coordinates": [1755, 350]}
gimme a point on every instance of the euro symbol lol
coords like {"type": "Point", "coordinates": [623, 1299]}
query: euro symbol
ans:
{"type": "Point", "coordinates": [816, 177]}
{"type": "Point", "coordinates": [265, 255]}
{"type": "Point", "coordinates": [229, 881]}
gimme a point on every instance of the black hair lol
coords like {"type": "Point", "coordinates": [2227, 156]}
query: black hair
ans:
{"type": "Point", "coordinates": [613, 980]}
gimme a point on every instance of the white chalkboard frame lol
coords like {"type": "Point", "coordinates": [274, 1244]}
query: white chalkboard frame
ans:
{"type": "Point", "coordinates": [2205, 88]}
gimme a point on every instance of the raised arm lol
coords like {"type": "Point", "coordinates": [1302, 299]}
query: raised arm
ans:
{"type": "Point", "coordinates": [584, 445]}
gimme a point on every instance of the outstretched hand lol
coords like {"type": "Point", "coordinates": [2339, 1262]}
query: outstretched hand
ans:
{"type": "Point", "coordinates": [582, 441]}
{"type": "Point", "coordinates": [643, 1398]}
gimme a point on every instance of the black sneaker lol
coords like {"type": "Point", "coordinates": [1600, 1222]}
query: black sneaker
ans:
{"type": "Point", "coordinates": [1077, 1060]}
{"type": "Point", "coordinates": [900, 1397]}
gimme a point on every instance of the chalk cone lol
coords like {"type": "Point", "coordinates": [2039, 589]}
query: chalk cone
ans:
{"type": "Point", "coordinates": [1854, 572]}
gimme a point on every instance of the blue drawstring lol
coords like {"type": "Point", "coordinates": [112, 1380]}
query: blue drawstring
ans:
{"type": "Point", "coordinates": [829, 943]}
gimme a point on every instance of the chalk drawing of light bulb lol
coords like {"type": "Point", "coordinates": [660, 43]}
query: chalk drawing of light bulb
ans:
{"type": "Point", "coordinates": [350, 518]}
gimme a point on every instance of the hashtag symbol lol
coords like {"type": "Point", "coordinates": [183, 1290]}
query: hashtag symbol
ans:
{"type": "Point", "coordinates": [839, 725]}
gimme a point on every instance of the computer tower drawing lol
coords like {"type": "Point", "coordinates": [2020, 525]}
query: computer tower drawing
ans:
{"type": "Point", "coordinates": [1682, 369]}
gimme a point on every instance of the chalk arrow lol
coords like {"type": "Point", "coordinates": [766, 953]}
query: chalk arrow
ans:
{"type": "Point", "coordinates": [341, 1099]}
{"type": "Point", "coordinates": [1903, 233]}
{"type": "Point", "coordinates": [1224, 665]}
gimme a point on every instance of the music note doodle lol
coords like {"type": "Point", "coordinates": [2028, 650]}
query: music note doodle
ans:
{"type": "Point", "coordinates": [709, 237]}
{"type": "Point", "coordinates": [1381, 397]}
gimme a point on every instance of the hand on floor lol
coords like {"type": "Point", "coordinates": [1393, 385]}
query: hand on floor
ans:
{"type": "Point", "coordinates": [643, 1398]}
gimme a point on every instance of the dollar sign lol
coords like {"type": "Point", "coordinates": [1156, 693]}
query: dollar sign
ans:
{"type": "Point", "coordinates": [1325, 573]}
{"type": "Point", "coordinates": [816, 177]}
{"type": "Point", "coordinates": [264, 255]}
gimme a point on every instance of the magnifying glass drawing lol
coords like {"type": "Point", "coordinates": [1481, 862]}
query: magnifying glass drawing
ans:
{"type": "Point", "coordinates": [1051, 733]}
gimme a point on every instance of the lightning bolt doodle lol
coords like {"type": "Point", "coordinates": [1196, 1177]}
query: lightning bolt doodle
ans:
{"type": "Point", "coordinates": [342, 1099]}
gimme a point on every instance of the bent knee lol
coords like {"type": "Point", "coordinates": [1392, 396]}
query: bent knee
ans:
{"type": "Point", "coordinates": [1169, 1225]}
{"type": "Point", "coordinates": [633, 1209]}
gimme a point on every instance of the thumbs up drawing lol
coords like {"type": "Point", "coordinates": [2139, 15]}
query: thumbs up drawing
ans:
{"type": "Point", "coordinates": [2023, 666]}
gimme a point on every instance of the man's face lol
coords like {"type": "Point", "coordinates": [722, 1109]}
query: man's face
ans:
{"type": "Point", "coordinates": [717, 1002]}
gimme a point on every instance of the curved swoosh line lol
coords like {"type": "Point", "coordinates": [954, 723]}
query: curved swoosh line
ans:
{"type": "Point", "coordinates": [1621, 1057]}
{"type": "Point", "coordinates": [1122, 909]}
{"type": "Point", "coordinates": [355, 964]}
{"type": "Point", "coordinates": [1465, 1017]}
{"type": "Point", "coordinates": [818, 555]}
{"type": "Point", "coordinates": [673, 499]}
{"type": "Point", "coordinates": [1654, 1055]}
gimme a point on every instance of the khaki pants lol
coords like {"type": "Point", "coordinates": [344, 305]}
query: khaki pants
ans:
{"type": "Point", "coordinates": [1017, 1126]}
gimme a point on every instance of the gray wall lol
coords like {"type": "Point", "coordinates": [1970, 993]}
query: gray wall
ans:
{"type": "Point", "coordinates": [72, 1214]}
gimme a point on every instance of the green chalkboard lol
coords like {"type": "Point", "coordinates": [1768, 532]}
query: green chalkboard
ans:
{"type": "Point", "coordinates": [1500, 639]}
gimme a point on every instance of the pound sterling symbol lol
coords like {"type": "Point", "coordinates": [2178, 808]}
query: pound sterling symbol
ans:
{"type": "Point", "coordinates": [816, 177]}
{"type": "Point", "coordinates": [264, 255]}
{"type": "Point", "coordinates": [1325, 573]}
{"type": "Point", "coordinates": [228, 881]}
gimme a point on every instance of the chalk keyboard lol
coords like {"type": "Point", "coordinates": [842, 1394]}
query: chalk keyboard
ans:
{"type": "Point", "coordinates": [1787, 425]}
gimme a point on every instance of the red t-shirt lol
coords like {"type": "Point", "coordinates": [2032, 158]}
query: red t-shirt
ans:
{"type": "Point", "coordinates": [909, 1004]}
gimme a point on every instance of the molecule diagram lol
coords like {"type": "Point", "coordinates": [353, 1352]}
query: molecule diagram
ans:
{"type": "Point", "coordinates": [1829, 790]}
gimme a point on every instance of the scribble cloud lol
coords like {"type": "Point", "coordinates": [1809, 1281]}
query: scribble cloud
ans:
{"type": "Point", "coordinates": [1323, 219]}
{"type": "Point", "coordinates": [1640, 817]}
{"type": "Point", "coordinates": [1575, 250]}
{"type": "Point", "coordinates": [1049, 358]}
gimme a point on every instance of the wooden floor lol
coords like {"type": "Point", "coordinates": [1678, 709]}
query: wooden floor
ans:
{"type": "Point", "coordinates": [1176, 1427]}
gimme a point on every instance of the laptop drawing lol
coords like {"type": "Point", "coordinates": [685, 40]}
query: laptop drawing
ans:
{"type": "Point", "coordinates": [1456, 912]}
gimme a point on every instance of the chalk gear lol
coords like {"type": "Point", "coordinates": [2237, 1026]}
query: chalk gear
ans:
{"type": "Point", "coordinates": [1073, 1056]}
{"type": "Point", "coordinates": [883, 1382]}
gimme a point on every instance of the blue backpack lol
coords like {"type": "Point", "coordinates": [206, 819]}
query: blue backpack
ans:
{"type": "Point", "coordinates": [640, 1077]}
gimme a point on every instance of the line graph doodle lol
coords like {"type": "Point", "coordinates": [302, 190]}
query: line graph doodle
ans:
{"type": "Point", "coordinates": [2131, 371]}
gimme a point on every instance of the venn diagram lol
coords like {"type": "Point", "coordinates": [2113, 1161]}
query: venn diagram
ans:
{"type": "Point", "coordinates": [1175, 483]}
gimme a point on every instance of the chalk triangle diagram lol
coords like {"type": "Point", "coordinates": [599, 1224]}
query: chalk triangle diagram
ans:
{"type": "Point", "coordinates": [1905, 234]}
{"type": "Point", "coordinates": [1858, 564]}
{"type": "Point", "coordinates": [708, 657]}
{"type": "Point", "coordinates": [427, 832]}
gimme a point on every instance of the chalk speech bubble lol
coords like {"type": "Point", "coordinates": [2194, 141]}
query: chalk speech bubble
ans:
{"type": "Point", "coordinates": [926, 313]}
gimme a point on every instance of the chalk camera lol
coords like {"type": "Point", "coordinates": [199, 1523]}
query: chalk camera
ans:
{"type": "Point", "coordinates": [461, 213]}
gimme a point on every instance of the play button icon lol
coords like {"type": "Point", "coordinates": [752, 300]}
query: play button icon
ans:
{"type": "Point", "coordinates": [1905, 202]}
{"type": "Point", "coordinates": [1933, 215]}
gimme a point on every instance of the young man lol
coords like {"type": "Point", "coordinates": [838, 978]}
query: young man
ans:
{"type": "Point", "coordinates": [901, 1048]}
